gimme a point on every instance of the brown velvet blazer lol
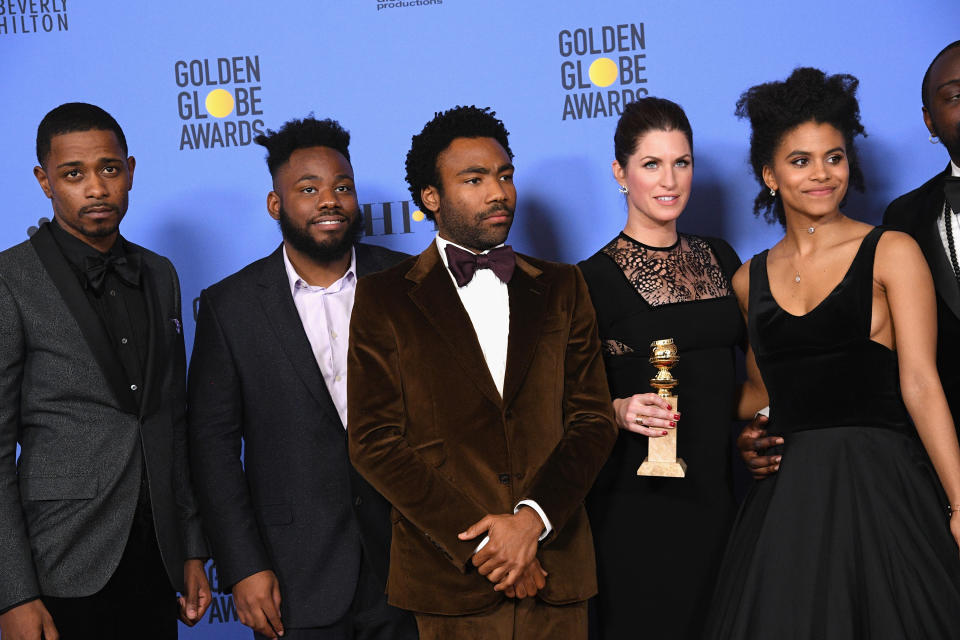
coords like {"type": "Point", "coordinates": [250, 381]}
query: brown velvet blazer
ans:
{"type": "Point", "coordinates": [429, 430]}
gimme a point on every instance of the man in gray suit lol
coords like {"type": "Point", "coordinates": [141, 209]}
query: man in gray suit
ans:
{"type": "Point", "coordinates": [98, 524]}
{"type": "Point", "coordinates": [298, 536]}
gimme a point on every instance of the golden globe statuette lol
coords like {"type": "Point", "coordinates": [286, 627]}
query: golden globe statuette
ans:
{"type": "Point", "coordinates": [662, 460]}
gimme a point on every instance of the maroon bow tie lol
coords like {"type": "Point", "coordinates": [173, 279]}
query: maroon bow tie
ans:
{"type": "Point", "coordinates": [464, 264]}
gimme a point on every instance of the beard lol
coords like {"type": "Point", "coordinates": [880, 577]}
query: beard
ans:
{"type": "Point", "coordinates": [465, 229]}
{"type": "Point", "coordinates": [334, 249]}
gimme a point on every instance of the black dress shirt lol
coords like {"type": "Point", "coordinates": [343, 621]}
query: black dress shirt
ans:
{"type": "Point", "coordinates": [121, 307]}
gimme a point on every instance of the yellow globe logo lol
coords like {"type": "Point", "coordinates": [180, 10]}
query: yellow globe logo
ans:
{"type": "Point", "coordinates": [219, 102]}
{"type": "Point", "coordinates": [418, 216]}
{"type": "Point", "coordinates": [603, 71]}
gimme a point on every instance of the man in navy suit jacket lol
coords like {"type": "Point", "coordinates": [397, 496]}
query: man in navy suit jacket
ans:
{"type": "Point", "coordinates": [294, 530]}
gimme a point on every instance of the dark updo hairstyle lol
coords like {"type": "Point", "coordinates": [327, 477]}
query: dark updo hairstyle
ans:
{"type": "Point", "coordinates": [776, 108]}
{"type": "Point", "coordinates": [645, 115]}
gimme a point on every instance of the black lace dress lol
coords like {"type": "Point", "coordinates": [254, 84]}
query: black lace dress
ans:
{"type": "Point", "coordinates": [659, 540]}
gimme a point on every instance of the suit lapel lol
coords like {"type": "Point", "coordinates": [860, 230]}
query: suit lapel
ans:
{"type": "Point", "coordinates": [435, 296]}
{"type": "Point", "coordinates": [156, 319]}
{"type": "Point", "coordinates": [277, 303]}
{"type": "Point", "coordinates": [528, 310]}
{"type": "Point", "coordinates": [931, 243]}
{"type": "Point", "coordinates": [86, 318]}
{"type": "Point", "coordinates": [367, 262]}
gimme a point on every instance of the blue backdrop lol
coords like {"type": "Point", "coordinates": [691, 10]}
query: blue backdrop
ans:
{"type": "Point", "coordinates": [191, 83]}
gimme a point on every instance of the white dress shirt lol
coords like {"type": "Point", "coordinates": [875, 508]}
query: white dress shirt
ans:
{"type": "Point", "coordinates": [325, 315]}
{"type": "Point", "coordinates": [943, 220]}
{"type": "Point", "coordinates": [487, 302]}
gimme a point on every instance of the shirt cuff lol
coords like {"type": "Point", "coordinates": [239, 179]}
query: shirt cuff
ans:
{"type": "Point", "coordinates": [764, 412]}
{"type": "Point", "coordinates": [482, 544]}
{"type": "Point", "coordinates": [14, 606]}
{"type": "Point", "coordinates": [547, 527]}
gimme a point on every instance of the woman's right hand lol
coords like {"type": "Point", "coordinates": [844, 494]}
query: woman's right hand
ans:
{"type": "Point", "coordinates": [645, 413]}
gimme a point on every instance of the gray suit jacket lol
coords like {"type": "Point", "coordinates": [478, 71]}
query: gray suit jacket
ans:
{"type": "Point", "coordinates": [67, 506]}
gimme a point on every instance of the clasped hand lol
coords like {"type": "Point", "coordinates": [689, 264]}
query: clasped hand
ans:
{"type": "Point", "coordinates": [509, 559]}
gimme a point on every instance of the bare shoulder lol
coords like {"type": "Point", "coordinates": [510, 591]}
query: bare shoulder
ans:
{"type": "Point", "coordinates": [897, 256]}
{"type": "Point", "coordinates": [893, 241]}
{"type": "Point", "coordinates": [894, 246]}
{"type": "Point", "coordinates": [741, 279]}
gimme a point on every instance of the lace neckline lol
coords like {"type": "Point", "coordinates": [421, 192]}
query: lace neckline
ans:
{"type": "Point", "coordinates": [651, 247]}
{"type": "Point", "coordinates": [684, 272]}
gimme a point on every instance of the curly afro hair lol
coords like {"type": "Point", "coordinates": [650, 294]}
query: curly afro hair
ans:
{"type": "Point", "coordinates": [458, 122]}
{"type": "Point", "coordinates": [776, 108]}
{"type": "Point", "coordinates": [302, 134]}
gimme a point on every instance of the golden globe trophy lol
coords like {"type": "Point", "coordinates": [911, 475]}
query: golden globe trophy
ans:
{"type": "Point", "coordinates": [662, 460]}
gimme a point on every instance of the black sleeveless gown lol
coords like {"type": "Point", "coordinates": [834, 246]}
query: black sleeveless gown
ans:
{"type": "Point", "coordinates": [850, 539]}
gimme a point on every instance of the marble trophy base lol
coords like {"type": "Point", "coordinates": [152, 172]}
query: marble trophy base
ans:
{"type": "Point", "coordinates": [662, 460]}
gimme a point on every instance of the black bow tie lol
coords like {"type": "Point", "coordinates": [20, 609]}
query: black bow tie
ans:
{"type": "Point", "coordinates": [464, 264]}
{"type": "Point", "coordinates": [127, 269]}
{"type": "Point", "coordinates": [951, 189]}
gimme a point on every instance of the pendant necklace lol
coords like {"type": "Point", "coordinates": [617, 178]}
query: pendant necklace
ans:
{"type": "Point", "coordinates": [809, 230]}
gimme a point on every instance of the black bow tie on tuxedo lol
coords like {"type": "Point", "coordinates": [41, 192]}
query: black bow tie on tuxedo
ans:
{"type": "Point", "coordinates": [951, 189]}
{"type": "Point", "coordinates": [126, 268]}
{"type": "Point", "coordinates": [464, 264]}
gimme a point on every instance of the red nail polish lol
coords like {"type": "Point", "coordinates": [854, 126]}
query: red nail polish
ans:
{"type": "Point", "coordinates": [664, 433]}
{"type": "Point", "coordinates": [673, 424]}
{"type": "Point", "coordinates": [676, 416]}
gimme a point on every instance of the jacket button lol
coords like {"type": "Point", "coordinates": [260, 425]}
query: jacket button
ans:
{"type": "Point", "coordinates": [504, 478]}
{"type": "Point", "coordinates": [358, 501]}
{"type": "Point", "coordinates": [509, 414]}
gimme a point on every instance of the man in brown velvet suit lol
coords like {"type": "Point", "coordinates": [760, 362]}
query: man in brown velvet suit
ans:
{"type": "Point", "coordinates": [478, 405]}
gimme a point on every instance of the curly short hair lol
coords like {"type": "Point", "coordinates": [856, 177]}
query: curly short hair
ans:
{"type": "Point", "coordinates": [71, 117]}
{"type": "Point", "coordinates": [302, 134]}
{"type": "Point", "coordinates": [645, 115]}
{"type": "Point", "coordinates": [776, 108]}
{"type": "Point", "coordinates": [458, 122]}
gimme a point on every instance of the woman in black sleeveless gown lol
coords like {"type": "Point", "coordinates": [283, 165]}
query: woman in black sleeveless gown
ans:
{"type": "Point", "coordinates": [850, 539]}
{"type": "Point", "coordinates": [659, 540]}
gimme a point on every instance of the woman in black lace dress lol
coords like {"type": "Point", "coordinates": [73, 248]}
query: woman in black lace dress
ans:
{"type": "Point", "coordinates": [659, 540]}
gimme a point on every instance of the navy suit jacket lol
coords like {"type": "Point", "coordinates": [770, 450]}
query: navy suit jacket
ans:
{"type": "Point", "coordinates": [295, 506]}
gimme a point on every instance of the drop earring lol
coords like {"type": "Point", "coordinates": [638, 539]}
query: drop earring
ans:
{"type": "Point", "coordinates": [623, 189]}
{"type": "Point", "coordinates": [773, 192]}
{"type": "Point", "coordinates": [933, 139]}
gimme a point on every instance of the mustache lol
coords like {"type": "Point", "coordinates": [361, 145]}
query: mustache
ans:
{"type": "Point", "coordinates": [496, 210]}
{"type": "Point", "coordinates": [327, 213]}
{"type": "Point", "coordinates": [100, 205]}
